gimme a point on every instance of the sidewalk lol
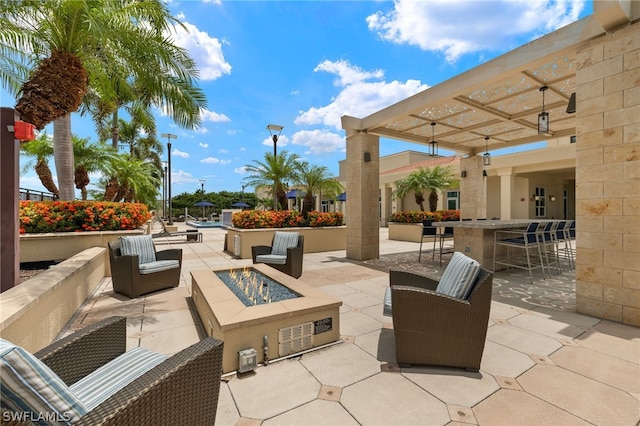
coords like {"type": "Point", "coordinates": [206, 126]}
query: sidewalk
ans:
{"type": "Point", "coordinates": [542, 364]}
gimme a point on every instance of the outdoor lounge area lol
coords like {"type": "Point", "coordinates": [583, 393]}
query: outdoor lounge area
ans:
{"type": "Point", "coordinates": [542, 362]}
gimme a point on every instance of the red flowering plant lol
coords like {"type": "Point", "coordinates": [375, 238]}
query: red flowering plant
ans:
{"type": "Point", "coordinates": [254, 219]}
{"type": "Point", "coordinates": [38, 217]}
{"type": "Point", "coordinates": [417, 216]}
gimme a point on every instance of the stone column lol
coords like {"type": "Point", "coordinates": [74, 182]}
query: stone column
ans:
{"type": "Point", "coordinates": [608, 173]}
{"type": "Point", "coordinates": [363, 165]}
{"type": "Point", "coordinates": [385, 194]}
{"type": "Point", "coordinates": [506, 192]}
{"type": "Point", "coordinates": [473, 189]}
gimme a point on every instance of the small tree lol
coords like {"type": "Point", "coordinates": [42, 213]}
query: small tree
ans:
{"type": "Point", "coordinates": [273, 172]}
{"type": "Point", "coordinates": [423, 179]}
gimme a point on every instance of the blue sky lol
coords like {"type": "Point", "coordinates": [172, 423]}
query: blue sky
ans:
{"type": "Point", "coordinates": [304, 64]}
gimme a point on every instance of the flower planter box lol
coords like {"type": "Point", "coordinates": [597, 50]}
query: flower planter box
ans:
{"type": "Point", "coordinates": [405, 231]}
{"type": "Point", "coordinates": [316, 240]}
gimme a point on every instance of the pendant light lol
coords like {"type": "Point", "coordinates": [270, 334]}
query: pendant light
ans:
{"type": "Point", "coordinates": [486, 158]}
{"type": "Point", "coordinates": [543, 117]}
{"type": "Point", "coordinates": [433, 145]}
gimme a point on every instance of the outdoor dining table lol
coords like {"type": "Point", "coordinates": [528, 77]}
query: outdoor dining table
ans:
{"type": "Point", "coordinates": [475, 237]}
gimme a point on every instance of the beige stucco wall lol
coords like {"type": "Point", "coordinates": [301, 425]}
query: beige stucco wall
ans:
{"type": "Point", "coordinates": [608, 176]}
{"type": "Point", "coordinates": [45, 303]}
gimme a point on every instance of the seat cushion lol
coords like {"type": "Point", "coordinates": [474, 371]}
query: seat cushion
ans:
{"type": "Point", "coordinates": [29, 386]}
{"type": "Point", "coordinates": [272, 258]}
{"type": "Point", "coordinates": [107, 380]}
{"type": "Point", "coordinates": [459, 276]}
{"type": "Point", "coordinates": [386, 309]}
{"type": "Point", "coordinates": [158, 266]}
{"type": "Point", "coordinates": [282, 241]}
{"type": "Point", "coordinates": [142, 245]}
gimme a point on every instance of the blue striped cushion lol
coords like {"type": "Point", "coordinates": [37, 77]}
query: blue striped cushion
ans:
{"type": "Point", "coordinates": [98, 386]}
{"type": "Point", "coordinates": [386, 309]}
{"type": "Point", "coordinates": [157, 266]}
{"type": "Point", "coordinates": [27, 385]}
{"type": "Point", "coordinates": [459, 277]}
{"type": "Point", "coordinates": [142, 245]}
{"type": "Point", "coordinates": [282, 241]}
{"type": "Point", "coordinates": [272, 258]}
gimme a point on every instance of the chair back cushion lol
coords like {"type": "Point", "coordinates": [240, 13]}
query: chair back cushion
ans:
{"type": "Point", "coordinates": [459, 276]}
{"type": "Point", "coordinates": [282, 241]}
{"type": "Point", "coordinates": [29, 386]}
{"type": "Point", "coordinates": [142, 245]}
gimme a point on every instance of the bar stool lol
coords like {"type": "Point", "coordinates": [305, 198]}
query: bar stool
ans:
{"type": "Point", "coordinates": [447, 233]}
{"type": "Point", "coordinates": [524, 241]}
{"type": "Point", "coordinates": [427, 231]}
{"type": "Point", "coordinates": [562, 243]}
{"type": "Point", "coordinates": [547, 238]}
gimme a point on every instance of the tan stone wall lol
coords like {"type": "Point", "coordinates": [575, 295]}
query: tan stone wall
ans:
{"type": "Point", "coordinates": [608, 176]}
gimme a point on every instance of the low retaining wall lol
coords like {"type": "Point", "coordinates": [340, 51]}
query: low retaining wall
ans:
{"type": "Point", "coordinates": [34, 312]}
{"type": "Point", "coordinates": [405, 231]}
{"type": "Point", "coordinates": [58, 246]}
{"type": "Point", "coordinates": [316, 240]}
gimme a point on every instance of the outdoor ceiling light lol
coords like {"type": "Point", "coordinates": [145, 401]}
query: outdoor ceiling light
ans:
{"type": "Point", "coordinates": [543, 117]}
{"type": "Point", "coordinates": [433, 145]}
{"type": "Point", "coordinates": [486, 158]}
{"type": "Point", "coordinates": [571, 107]}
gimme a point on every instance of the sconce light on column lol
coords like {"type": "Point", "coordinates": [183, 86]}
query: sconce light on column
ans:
{"type": "Point", "coordinates": [367, 157]}
{"type": "Point", "coordinates": [552, 197]}
{"type": "Point", "coordinates": [484, 173]}
{"type": "Point", "coordinates": [463, 174]}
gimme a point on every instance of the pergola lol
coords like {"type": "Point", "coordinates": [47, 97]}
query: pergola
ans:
{"type": "Point", "coordinates": [500, 100]}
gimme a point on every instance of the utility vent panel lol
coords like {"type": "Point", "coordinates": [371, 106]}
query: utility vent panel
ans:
{"type": "Point", "coordinates": [296, 338]}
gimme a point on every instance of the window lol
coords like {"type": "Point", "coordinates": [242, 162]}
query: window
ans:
{"type": "Point", "coordinates": [539, 198]}
{"type": "Point", "coordinates": [453, 200]}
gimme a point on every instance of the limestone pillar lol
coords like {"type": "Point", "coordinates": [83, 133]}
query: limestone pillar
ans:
{"type": "Point", "coordinates": [363, 164]}
{"type": "Point", "coordinates": [506, 192]}
{"type": "Point", "coordinates": [473, 189]}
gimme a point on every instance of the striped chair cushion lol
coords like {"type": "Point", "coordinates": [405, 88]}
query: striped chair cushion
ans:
{"type": "Point", "coordinates": [142, 245]}
{"type": "Point", "coordinates": [27, 385]}
{"type": "Point", "coordinates": [282, 241]}
{"type": "Point", "coordinates": [271, 258]}
{"type": "Point", "coordinates": [386, 308]}
{"type": "Point", "coordinates": [98, 386]}
{"type": "Point", "coordinates": [157, 266]}
{"type": "Point", "coordinates": [459, 276]}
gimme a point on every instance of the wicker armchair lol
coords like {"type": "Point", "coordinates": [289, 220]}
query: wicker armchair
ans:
{"type": "Point", "coordinates": [127, 278]}
{"type": "Point", "coordinates": [431, 328]}
{"type": "Point", "coordinates": [289, 263]}
{"type": "Point", "coordinates": [183, 389]}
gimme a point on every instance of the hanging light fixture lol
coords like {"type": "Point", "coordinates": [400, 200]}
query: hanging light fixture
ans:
{"type": "Point", "coordinates": [543, 117]}
{"type": "Point", "coordinates": [433, 145]}
{"type": "Point", "coordinates": [486, 158]}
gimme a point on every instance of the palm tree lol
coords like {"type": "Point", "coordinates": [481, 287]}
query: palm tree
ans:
{"type": "Point", "coordinates": [114, 44]}
{"type": "Point", "coordinates": [315, 180]}
{"type": "Point", "coordinates": [88, 158]}
{"type": "Point", "coordinates": [273, 171]}
{"type": "Point", "coordinates": [132, 179]}
{"type": "Point", "coordinates": [433, 180]}
{"type": "Point", "coordinates": [42, 150]}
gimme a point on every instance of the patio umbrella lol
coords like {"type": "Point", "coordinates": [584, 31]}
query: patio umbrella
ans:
{"type": "Point", "coordinates": [295, 193]}
{"type": "Point", "coordinates": [240, 204]}
{"type": "Point", "coordinates": [342, 197]}
{"type": "Point", "coordinates": [203, 204]}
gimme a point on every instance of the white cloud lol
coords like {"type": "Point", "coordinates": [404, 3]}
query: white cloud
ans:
{"type": "Point", "coordinates": [181, 177]}
{"type": "Point", "coordinates": [242, 170]}
{"type": "Point", "coordinates": [294, 93]}
{"type": "Point", "coordinates": [223, 151]}
{"type": "Point", "coordinates": [178, 153]}
{"type": "Point", "coordinates": [215, 117]}
{"type": "Point", "coordinates": [358, 98]}
{"type": "Point", "coordinates": [205, 50]}
{"type": "Point", "coordinates": [283, 140]}
{"type": "Point", "coordinates": [201, 130]}
{"type": "Point", "coordinates": [203, 145]}
{"type": "Point", "coordinates": [458, 27]}
{"type": "Point", "coordinates": [213, 160]}
{"type": "Point", "coordinates": [319, 141]}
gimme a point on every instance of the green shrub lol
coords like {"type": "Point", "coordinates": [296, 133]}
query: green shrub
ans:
{"type": "Point", "coordinates": [417, 216]}
{"type": "Point", "coordinates": [254, 219]}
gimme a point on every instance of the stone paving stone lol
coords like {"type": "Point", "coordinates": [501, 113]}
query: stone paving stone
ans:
{"type": "Point", "coordinates": [171, 340]}
{"type": "Point", "coordinates": [549, 327]}
{"type": "Point", "coordinates": [340, 365]}
{"type": "Point", "coordinates": [355, 324]}
{"type": "Point", "coordinates": [522, 340]}
{"type": "Point", "coordinates": [501, 311]}
{"type": "Point", "coordinates": [611, 345]}
{"type": "Point", "coordinates": [510, 407]}
{"type": "Point", "coordinates": [380, 344]}
{"type": "Point", "coordinates": [273, 390]}
{"type": "Point", "coordinates": [604, 368]}
{"type": "Point", "coordinates": [499, 360]}
{"type": "Point", "coordinates": [227, 413]}
{"type": "Point", "coordinates": [361, 299]}
{"type": "Point", "coordinates": [461, 415]}
{"type": "Point", "coordinates": [316, 413]}
{"type": "Point", "coordinates": [581, 396]}
{"type": "Point", "coordinates": [445, 384]}
{"type": "Point", "coordinates": [391, 399]}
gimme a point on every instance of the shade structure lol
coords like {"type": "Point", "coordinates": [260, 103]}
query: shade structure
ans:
{"type": "Point", "coordinates": [342, 197]}
{"type": "Point", "coordinates": [203, 204]}
{"type": "Point", "coordinates": [295, 193]}
{"type": "Point", "coordinates": [240, 204]}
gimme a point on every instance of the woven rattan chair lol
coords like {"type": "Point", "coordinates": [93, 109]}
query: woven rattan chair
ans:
{"type": "Point", "coordinates": [129, 280]}
{"type": "Point", "coordinates": [431, 328]}
{"type": "Point", "coordinates": [290, 262]}
{"type": "Point", "coordinates": [183, 389]}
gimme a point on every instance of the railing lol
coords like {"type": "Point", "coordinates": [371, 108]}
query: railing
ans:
{"type": "Point", "coordinates": [33, 195]}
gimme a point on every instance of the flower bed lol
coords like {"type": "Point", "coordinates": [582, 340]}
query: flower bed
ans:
{"type": "Point", "coordinates": [257, 219]}
{"type": "Point", "coordinates": [37, 217]}
{"type": "Point", "coordinates": [417, 216]}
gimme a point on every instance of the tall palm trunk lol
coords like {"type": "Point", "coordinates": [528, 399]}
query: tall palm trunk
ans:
{"type": "Point", "coordinates": [63, 153]}
{"type": "Point", "coordinates": [81, 179]}
{"type": "Point", "coordinates": [44, 173]}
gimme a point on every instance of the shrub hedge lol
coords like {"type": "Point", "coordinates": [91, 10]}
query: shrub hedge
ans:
{"type": "Point", "coordinates": [253, 219]}
{"type": "Point", "coordinates": [417, 216]}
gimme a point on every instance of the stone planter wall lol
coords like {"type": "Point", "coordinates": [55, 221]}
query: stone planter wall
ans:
{"type": "Point", "coordinates": [316, 240]}
{"type": "Point", "coordinates": [405, 231]}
